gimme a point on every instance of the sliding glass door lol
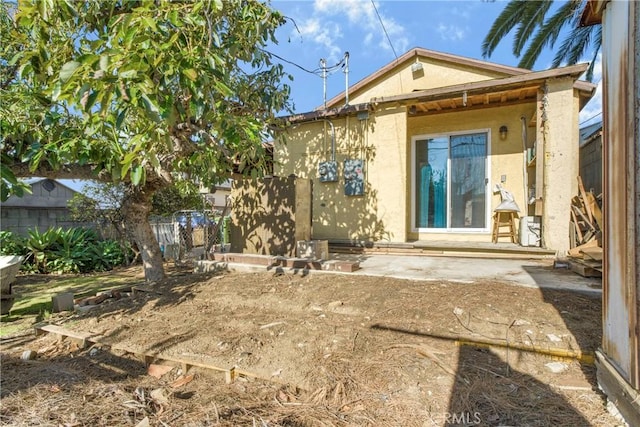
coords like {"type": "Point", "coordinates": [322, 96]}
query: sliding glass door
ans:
{"type": "Point", "coordinates": [450, 185]}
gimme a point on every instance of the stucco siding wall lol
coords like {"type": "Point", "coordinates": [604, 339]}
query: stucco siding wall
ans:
{"type": "Point", "coordinates": [434, 74]}
{"type": "Point", "coordinates": [379, 142]}
{"type": "Point", "coordinates": [560, 162]}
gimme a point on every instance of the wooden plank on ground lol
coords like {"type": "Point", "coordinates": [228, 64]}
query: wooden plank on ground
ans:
{"type": "Point", "coordinates": [594, 253]}
{"type": "Point", "coordinates": [85, 338]}
{"type": "Point", "coordinates": [583, 269]}
{"type": "Point", "coordinates": [577, 251]}
{"type": "Point", "coordinates": [80, 337]}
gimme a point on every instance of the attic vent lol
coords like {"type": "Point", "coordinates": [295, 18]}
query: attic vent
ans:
{"type": "Point", "coordinates": [49, 185]}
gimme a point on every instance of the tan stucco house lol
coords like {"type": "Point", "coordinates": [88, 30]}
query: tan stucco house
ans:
{"type": "Point", "coordinates": [414, 151]}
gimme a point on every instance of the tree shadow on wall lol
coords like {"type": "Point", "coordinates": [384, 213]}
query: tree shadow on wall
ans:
{"type": "Point", "coordinates": [269, 215]}
{"type": "Point", "coordinates": [350, 219]}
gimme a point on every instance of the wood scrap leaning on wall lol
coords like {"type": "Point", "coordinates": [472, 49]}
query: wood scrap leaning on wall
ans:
{"type": "Point", "coordinates": [585, 233]}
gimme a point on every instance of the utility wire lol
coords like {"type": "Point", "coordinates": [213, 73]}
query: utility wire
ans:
{"type": "Point", "coordinates": [384, 29]}
{"type": "Point", "coordinates": [314, 72]}
{"type": "Point", "coordinates": [317, 71]}
{"type": "Point", "coordinates": [592, 117]}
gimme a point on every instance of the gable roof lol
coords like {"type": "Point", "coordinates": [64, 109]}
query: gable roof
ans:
{"type": "Point", "coordinates": [75, 185]}
{"type": "Point", "coordinates": [417, 52]}
{"type": "Point", "coordinates": [413, 54]}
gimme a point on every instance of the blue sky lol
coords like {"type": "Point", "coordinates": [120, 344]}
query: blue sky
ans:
{"type": "Point", "coordinates": [329, 28]}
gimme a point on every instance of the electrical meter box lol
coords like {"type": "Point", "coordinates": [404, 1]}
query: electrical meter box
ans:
{"type": "Point", "coordinates": [328, 171]}
{"type": "Point", "coordinates": [353, 177]}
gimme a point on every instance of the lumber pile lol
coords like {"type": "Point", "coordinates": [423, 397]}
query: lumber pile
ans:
{"type": "Point", "coordinates": [585, 234]}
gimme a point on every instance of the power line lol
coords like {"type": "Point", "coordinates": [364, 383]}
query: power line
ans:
{"type": "Point", "coordinates": [384, 29]}
{"type": "Point", "coordinates": [317, 71]}
{"type": "Point", "coordinates": [314, 72]}
{"type": "Point", "coordinates": [592, 117]}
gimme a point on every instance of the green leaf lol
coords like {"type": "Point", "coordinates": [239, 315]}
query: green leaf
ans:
{"type": "Point", "coordinates": [149, 105]}
{"type": "Point", "coordinates": [128, 74]}
{"type": "Point", "coordinates": [67, 70]}
{"type": "Point", "coordinates": [137, 174]}
{"type": "Point", "coordinates": [150, 23]}
{"type": "Point", "coordinates": [190, 73]}
{"type": "Point", "coordinates": [120, 118]}
{"type": "Point", "coordinates": [173, 17]}
{"type": "Point", "coordinates": [104, 62]}
{"type": "Point", "coordinates": [223, 88]}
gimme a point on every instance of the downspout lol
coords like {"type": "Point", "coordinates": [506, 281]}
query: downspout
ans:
{"type": "Point", "coordinates": [333, 139]}
{"type": "Point", "coordinates": [525, 172]}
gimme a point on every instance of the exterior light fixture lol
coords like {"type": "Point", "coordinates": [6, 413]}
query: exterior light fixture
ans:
{"type": "Point", "coordinates": [503, 132]}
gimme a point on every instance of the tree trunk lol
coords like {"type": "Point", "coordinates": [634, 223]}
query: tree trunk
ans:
{"type": "Point", "coordinates": [136, 208]}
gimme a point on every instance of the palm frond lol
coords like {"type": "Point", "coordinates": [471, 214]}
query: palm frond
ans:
{"type": "Point", "coordinates": [505, 22]}
{"type": "Point", "coordinates": [573, 46]}
{"type": "Point", "coordinates": [532, 16]}
{"type": "Point", "coordinates": [547, 34]}
{"type": "Point", "coordinates": [597, 43]}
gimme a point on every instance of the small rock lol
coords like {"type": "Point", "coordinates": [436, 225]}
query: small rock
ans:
{"type": "Point", "coordinates": [93, 352]}
{"type": "Point", "coordinates": [554, 338]}
{"type": "Point", "coordinates": [458, 311]}
{"type": "Point", "coordinates": [28, 355]}
{"type": "Point", "coordinates": [84, 308]}
{"type": "Point", "coordinates": [556, 367]}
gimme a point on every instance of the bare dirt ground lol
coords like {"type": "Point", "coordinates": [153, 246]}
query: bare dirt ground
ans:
{"type": "Point", "coordinates": [327, 349]}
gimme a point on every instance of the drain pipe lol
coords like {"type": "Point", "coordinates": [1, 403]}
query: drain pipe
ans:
{"type": "Point", "coordinates": [346, 79]}
{"type": "Point", "coordinates": [333, 139]}
{"type": "Point", "coordinates": [525, 173]}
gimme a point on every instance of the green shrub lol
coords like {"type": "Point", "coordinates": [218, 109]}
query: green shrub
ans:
{"type": "Point", "coordinates": [11, 244]}
{"type": "Point", "coordinates": [73, 251]}
{"type": "Point", "coordinates": [40, 246]}
{"type": "Point", "coordinates": [70, 251]}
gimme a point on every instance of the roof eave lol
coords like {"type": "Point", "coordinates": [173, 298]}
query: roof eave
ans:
{"type": "Point", "coordinates": [592, 14]}
{"type": "Point", "coordinates": [485, 86]}
{"type": "Point", "coordinates": [330, 113]}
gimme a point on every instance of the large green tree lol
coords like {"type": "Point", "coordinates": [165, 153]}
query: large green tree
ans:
{"type": "Point", "coordinates": [537, 26]}
{"type": "Point", "coordinates": [139, 92]}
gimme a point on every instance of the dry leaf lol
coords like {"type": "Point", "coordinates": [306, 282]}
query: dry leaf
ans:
{"type": "Point", "coordinates": [158, 370]}
{"type": "Point", "coordinates": [158, 396]}
{"type": "Point", "coordinates": [182, 380]}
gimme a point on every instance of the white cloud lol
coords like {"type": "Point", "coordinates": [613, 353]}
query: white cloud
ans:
{"type": "Point", "coordinates": [328, 25]}
{"type": "Point", "coordinates": [451, 32]}
{"type": "Point", "coordinates": [325, 34]}
{"type": "Point", "coordinates": [592, 112]}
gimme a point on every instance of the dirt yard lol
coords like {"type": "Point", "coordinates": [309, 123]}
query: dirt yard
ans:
{"type": "Point", "coordinates": [317, 350]}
